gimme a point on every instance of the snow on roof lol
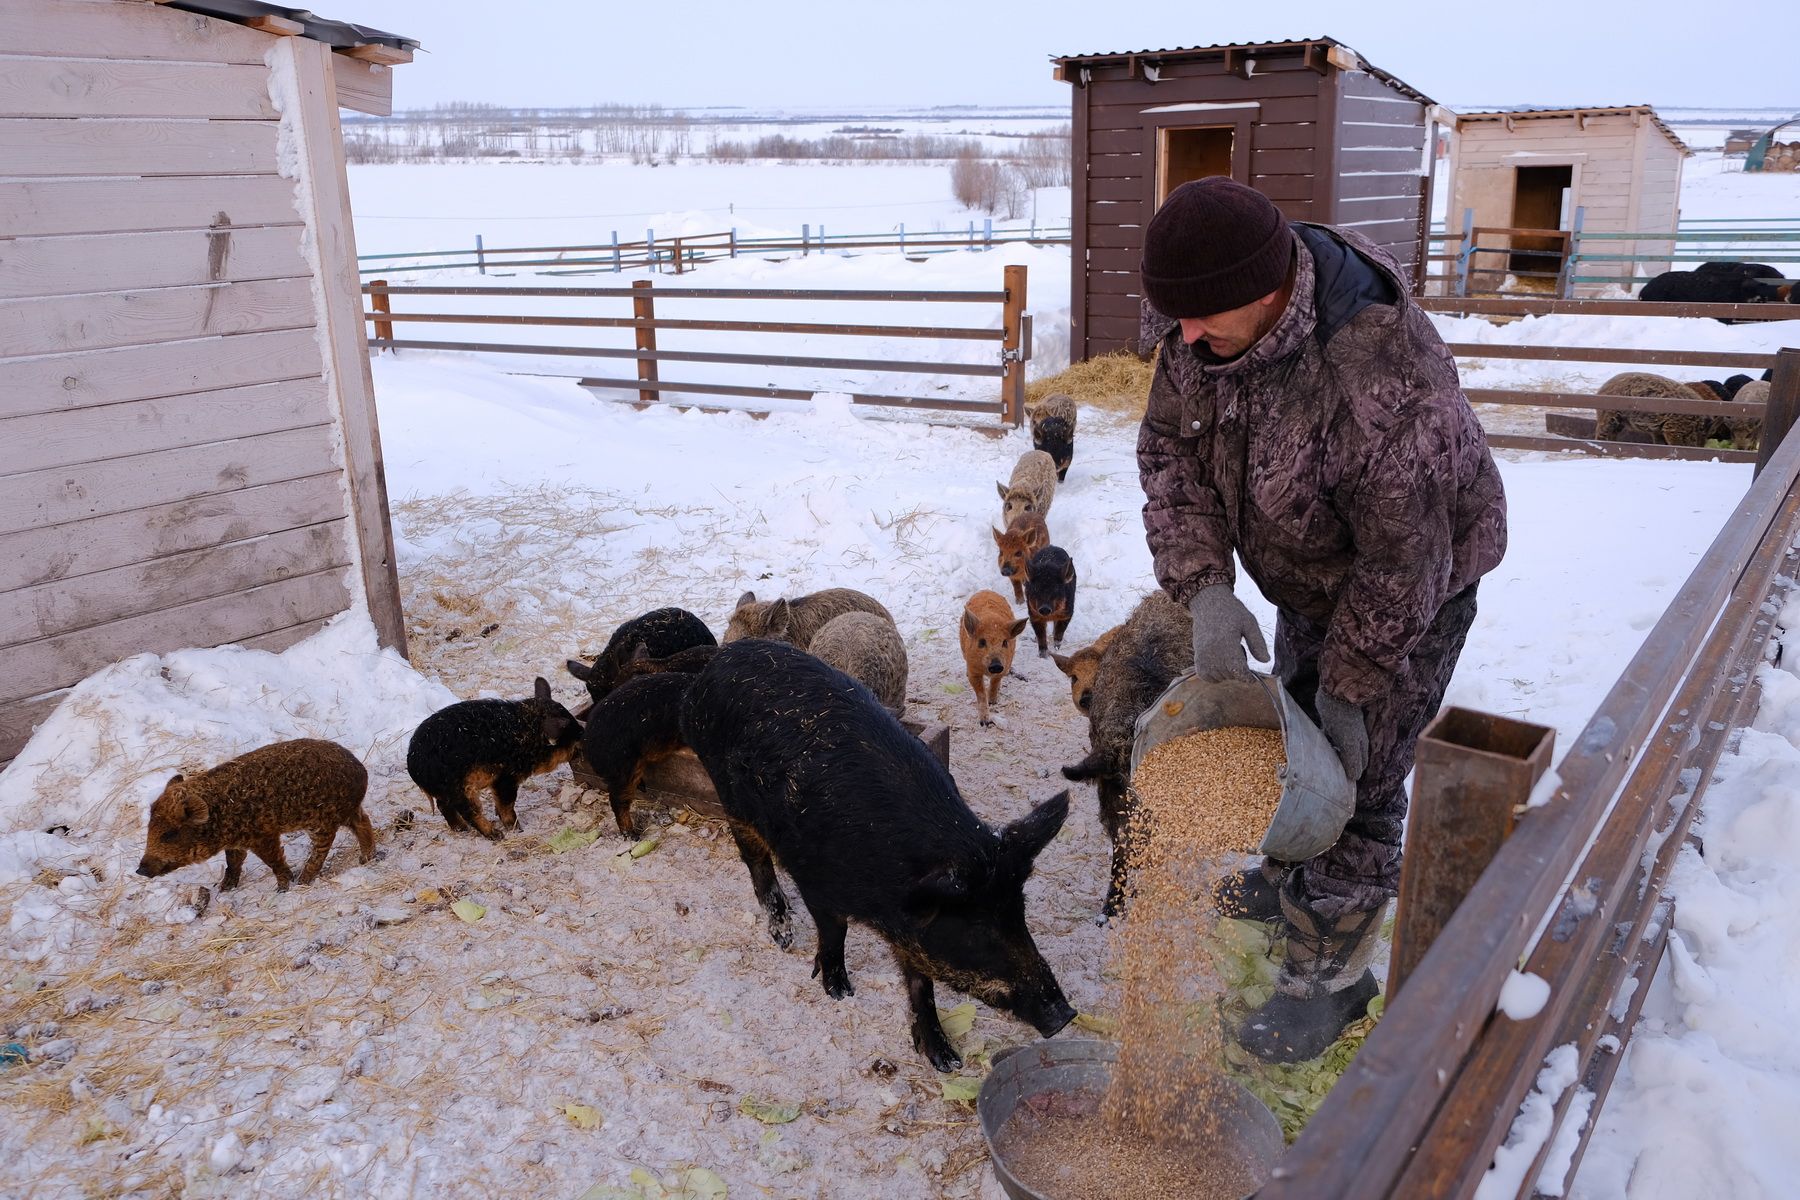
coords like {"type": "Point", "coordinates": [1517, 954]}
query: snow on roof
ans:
{"type": "Point", "coordinates": [340, 35]}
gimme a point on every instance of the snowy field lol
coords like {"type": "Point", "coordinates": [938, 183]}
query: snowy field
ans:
{"type": "Point", "coordinates": [624, 1024]}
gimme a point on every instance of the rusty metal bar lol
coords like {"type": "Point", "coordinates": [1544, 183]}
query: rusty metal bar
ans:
{"type": "Point", "coordinates": [1610, 449]}
{"type": "Point", "coordinates": [643, 310]}
{"type": "Point", "coordinates": [1784, 404]}
{"type": "Point", "coordinates": [1012, 348]}
{"type": "Point", "coordinates": [383, 328]}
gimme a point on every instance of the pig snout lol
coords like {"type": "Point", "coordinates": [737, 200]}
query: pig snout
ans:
{"type": "Point", "coordinates": [996, 667]}
{"type": "Point", "coordinates": [1045, 610]}
{"type": "Point", "coordinates": [1047, 1012]}
{"type": "Point", "coordinates": [148, 869]}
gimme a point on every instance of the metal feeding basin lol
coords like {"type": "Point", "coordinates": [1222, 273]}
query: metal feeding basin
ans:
{"type": "Point", "coordinates": [1246, 1129]}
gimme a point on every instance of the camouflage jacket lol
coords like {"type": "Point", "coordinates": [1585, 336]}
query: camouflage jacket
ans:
{"type": "Point", "coordinates": [1337, 457]}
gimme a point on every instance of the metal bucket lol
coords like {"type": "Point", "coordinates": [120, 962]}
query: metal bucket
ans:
{"type": "Point", "coordinates": [1070, 1064]}
{"type": "Point", "coordinates": [1316, 796]}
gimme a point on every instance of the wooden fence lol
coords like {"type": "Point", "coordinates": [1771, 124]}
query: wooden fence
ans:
{"type": "Point", "coordinates": [1573, 896]}
{"type": "Point", "coordinates": [1571, 427]}
{"type": "Point", "coordinates": [1012, 338]}
{"type": "Point", "coordinates": [680, 253]}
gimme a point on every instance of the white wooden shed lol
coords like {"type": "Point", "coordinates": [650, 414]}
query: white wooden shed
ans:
{"type": "Point", "coordinates": [1533, 168]}
{"type": "Point", "coordinates": [191, 455]}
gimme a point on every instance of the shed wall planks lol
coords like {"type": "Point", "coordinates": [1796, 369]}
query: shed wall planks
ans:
{"type": "Point", "coordinates": [68, 605]}
{"type": "Point", "coordinates": [36, 209]}
{"type": "Point", "coordinates": [57, 382]}
{"type": "Point", "coordinates": [105, 320]}
{"type": "Point", "coordinates": [84, 29]}
{"type": "Point", "coordinates": [142, 426]}
{"type": "Point", "coordinates": [58, 662]}
{"type": "Point", "coordinates": [79, 87]}
{"type": "Point", "coordinates": [51, 497]}
{"type": "Point", "coordinates": [55, 266]}
{"type": "Point", "coordinates": [40, 147]}
{"type": "Point", "coordinates": [65, 552]}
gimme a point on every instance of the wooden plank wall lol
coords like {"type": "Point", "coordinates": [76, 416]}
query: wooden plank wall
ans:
{"type": "Point", "coordinates": [1117, 156]}
{"type": "Point", "coordinates": [1380, 159]}
{"type": "Point", "coordinates": [171, 476]}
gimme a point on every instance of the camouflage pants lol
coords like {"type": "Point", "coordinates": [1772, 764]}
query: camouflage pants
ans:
{"type": "Point", "coordinates": [1362, 869]}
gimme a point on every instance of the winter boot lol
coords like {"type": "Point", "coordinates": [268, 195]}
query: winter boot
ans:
{"type": "Point", "coordinates": [1252, 894]}
{"type": "Point", "coordinates": [1324, 985]}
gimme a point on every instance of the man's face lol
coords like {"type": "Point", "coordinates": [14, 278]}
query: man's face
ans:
{"type": "Point", "coordinates": [1230, 333]}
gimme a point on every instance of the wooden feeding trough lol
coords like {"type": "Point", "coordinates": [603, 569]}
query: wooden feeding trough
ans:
{"type": "Point", "coordinates": [679, 781]}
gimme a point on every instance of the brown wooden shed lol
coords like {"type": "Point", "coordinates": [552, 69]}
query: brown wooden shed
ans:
{"type": "Point", "coordinates": [1324, 134]}
{"type": "Point", "coordinates": [191, 450]}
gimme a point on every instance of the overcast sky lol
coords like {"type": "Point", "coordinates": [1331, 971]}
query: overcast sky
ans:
{"type": "Point", "coordinates": [704, 53]}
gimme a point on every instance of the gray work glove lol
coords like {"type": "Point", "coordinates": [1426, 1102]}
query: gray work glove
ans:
{"type": "Point", "coordinates": [1222, 628]}
{"type": "Point", "coordinates": [1343, 724]}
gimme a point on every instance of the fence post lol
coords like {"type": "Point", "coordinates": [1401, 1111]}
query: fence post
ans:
{"type": "Point", "coordinates": [805, 240]}
{"type": "Point", "coordinates": [384, 330]}
{"type": "Point", "coordinates": [987, 233]}
{"type": "Point", "coordinates": [650, 248]}
{"type": "Point", "coordinates": [643, 309]}
{"type": "Point", "coordinates": [617, 264]}
{"type": "Point", "coordinates": [1474, 770]}
{"type": "Point", "coordinates": [480, 256]}
{"type": "Point", "coordinates": [734, 241]}
{"type": "Point", "coordinates": [1783, 405]}
{"type": "Point", "coordinates": [1565, 283]}
{"type": "Point", "coordinates": [1463, 256]}
{"type": "Point", "coordinates": [679, 266]}
{"type": "Point", "coordinates": [971, 232]}
{"type": "Point", "coordinates": [903, 237]}
{"type": "Point", "coordinates": [1012, 348]}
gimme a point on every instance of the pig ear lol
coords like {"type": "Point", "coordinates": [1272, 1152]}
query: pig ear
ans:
{"type": "Point", "coordinates": [1036, 536]}
{"type": "Point", "coordinates": [1002, 489]}
{"type": "Point", "coordinates": [746, 598]}
{"type": "Point", "coordinates": [943, 886]}
{"type": "Point", "coordinates": [195, 810]}
{"type": "Point", "coordinates": [540, 689]}
{"type": "Point", "coordinates": [579, 670]}
{"type": "Point", "coordinates": [1018, 626]}
{"type": "Point", "coordinates": [1069, 572]}
{"type": "Point", "coordinates": [1064, 663]}
{"type": "Point", "coordinates": [776, 618]}
{"type": "Point", "coordinates": [997, 535]}
{"type": "Point", "coordinates": [969, 624]}
{"type": "Point", "coordinates": [1021, 841]}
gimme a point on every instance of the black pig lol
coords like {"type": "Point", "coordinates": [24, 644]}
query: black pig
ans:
{"type": "Point", "coordinates": [637, 724]}
{"type": "Point", "coordinates": [813, 772]}
{"type": "Point", "coordinates": [460, 750]}
{"type": "Point", "coordinates": [1050, 594]}
{"type": "Point", "coordinates": [661, 632]}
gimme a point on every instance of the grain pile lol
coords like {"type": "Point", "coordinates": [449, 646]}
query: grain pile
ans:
{"type": "Point", "coordinates": [1056, 1145]}
{"type": "Point", "coordinates": [1200, 798]}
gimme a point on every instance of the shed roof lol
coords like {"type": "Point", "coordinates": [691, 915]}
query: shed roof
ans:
{"type": "Point", "coordinates": [1534, 112]}
{"type": "Point", "coordinates": [340, 35]}
{"type": "Point", "coordinates": [1107, 57]}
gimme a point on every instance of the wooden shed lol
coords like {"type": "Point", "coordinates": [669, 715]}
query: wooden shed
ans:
{"type": "Point", "coordinates": [191, 455]}
{"type": "Point", "coordinates": [1324, 134]}
{"type": "Point", "coordinates": [1533, 168]}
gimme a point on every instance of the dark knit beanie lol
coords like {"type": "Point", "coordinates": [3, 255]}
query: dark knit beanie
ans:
{"type": "Point", "coordinates": [1214, 245]}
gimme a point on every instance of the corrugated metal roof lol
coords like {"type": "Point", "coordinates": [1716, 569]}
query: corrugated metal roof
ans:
{"type": "Point", "coordinates": [1393, 81]}
{"type": "Point", "coordinates": [1530, 112]}
{"type": "Point", "coordinates": [338, 34]}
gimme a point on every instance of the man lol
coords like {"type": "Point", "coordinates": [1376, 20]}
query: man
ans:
{"type": "Point", "coordinates": [1305, 415]}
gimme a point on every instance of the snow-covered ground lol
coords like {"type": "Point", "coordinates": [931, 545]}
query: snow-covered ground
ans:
{"type": "Point", "coordinates": [609, 1015]}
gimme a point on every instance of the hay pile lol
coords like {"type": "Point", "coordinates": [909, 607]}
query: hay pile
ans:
{"type": "Point", "coordinates": [1118, 383]}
